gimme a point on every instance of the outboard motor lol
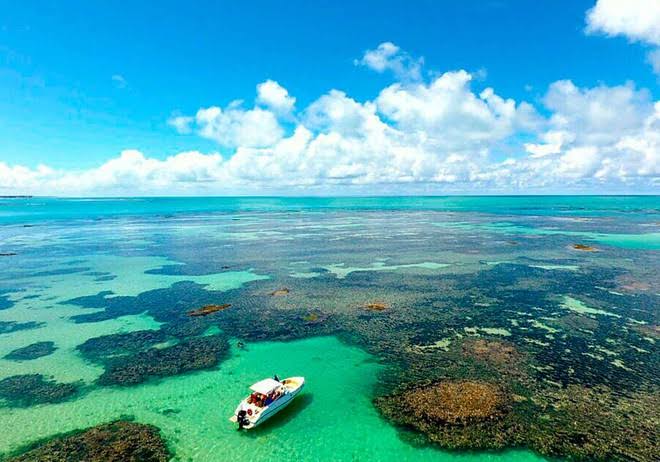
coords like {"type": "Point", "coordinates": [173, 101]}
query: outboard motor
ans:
{"type": "Point", "coordinates": [242, 419]}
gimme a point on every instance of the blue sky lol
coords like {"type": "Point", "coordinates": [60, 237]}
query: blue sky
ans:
{"type": "Point", "coordinates": [82, 82]}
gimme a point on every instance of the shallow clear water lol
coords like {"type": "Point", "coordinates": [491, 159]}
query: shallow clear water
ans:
{"type": "Point", "coordinates": [332, 420]}
{"type": "Point", "coordinates": [447, 269]}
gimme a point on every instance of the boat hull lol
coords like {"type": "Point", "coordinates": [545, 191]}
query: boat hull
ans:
{"type": "Point", "coordinates": [294, 386]}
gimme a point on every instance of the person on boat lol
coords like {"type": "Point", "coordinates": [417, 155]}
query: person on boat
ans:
{"type": "Point", "coordinates": [269, 399]}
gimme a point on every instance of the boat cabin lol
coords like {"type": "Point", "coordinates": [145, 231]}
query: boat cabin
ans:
{"type": "Point", "coordinates": [265, 392]}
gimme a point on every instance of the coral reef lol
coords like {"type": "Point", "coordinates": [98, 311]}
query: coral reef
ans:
{"type": "Point", "coordinates": [33, 351]}
{"type": "Point", "coordinates": [652, 330]}
{"type": "Point", "coordinates": [7, 327]}
{"type": "Point", "coordinates": [581, 422]}
{"type": "Point", "coordinates": [189, 355]}
{"type": "Point", "coordinates": [459, 402]}
{"type": "Point", "coordinates": [597, 424]}
{"type": "Point", "coordinates": [30, 389]}
{"type": "Point", "coordinates": [494, 352]}
{"type": "Point", "coordinates": [120, 441]}
{"type": "Point", "coordinates": [455, 413]}
{"type": "Point", "coordinates": [113, 345]}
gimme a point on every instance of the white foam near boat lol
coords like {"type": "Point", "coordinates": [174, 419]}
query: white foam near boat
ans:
{"type": "Point", "coordinates": [268, 398]}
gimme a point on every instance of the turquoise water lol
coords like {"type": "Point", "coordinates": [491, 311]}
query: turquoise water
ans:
{"type": "Point", "coordinates": [332, 420]}
{"type": "Point", "coordinates": [447, 269]}
{"type": "Point", "coordinates": [37, 209]}
{"type": "Point", "coordinates": [642, 240]}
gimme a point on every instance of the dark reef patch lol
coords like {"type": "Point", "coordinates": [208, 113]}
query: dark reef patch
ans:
{"type": "Point", "coordinates": [109, 277]}
{"type": "Point", "coordinates": [33, 351]}
{"type": "Point", "coordinates": [7, 327]}
{"type": "Point", "coordinates": [597, 424]}
{"type": "Point", "coordinates": [189, 355]}
{"type": "Point", "coordinates": [59, 272]}
{"type": "Point", "coordinates": [5, 302]}
{"type": "Point", "coordinates": [164, 305]}
{"type": "Point", "coordinates": [31, 389]}
{"type": "Point", "coordinates": [108, 346]}
{"type": "Point", "coordinates": [120, 441]}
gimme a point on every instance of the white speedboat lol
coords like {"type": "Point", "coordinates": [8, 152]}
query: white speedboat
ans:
{"type": "Point", "coordinates": [268, 398]}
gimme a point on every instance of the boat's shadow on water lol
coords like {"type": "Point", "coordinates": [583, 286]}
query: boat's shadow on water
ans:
{"type": "Point", "coordinates": [283, 417]}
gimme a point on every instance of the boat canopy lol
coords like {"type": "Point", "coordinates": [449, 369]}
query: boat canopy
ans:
{"type": "Point", "coordinates": [265, 386]}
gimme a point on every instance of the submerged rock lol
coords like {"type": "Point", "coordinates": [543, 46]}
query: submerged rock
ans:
{"type": "Point", "coordinates": [30, 389]}
{"type": "Point", "coordinates": [193, 354]}
{"type": "Point", "coordinates": [314, 317]}
{"type": "Point", "coordinates": [311, 317]}
{"type": "Point", "coordinates": [584, 247]}
{"type": "Point", "coordinates": [636, 286]}
{"type": "Point", "coordinates": [119, 441]}
{"type": "Point", "coordinates": [33, 351]}
{"type": "Point", "coordinates": [280, 292]}
{"type": "Point", "coordinates": [208, 309]}
{"type": "Point", "coordinates": [376, 306]}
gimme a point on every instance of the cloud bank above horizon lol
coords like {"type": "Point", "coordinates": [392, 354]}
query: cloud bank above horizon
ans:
{"type": "Point", "coordinates": [427, 132]}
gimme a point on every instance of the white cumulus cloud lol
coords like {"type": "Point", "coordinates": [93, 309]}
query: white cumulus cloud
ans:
{"type": "Point", "coordinates": [653, 58]}
{"type": "Point", "coordinates": [232, 126]}
{"type": "Point", "coordinates": [432, 137]}
{"type": "Point", "coordinates": [389, 57]}
{"type": "Point", "coordinates": [448, 115]}
{"type": "Point", "coordinates": [182, 124]}
{"type": "Point", "coordinates": [598, 115]}
{"type": "Point", "coordinates": [637, 20]}
{"type": "Point", "coordinates": [274, 96]}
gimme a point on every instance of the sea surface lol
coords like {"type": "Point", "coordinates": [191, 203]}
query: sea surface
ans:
{"type": "Point", "coordinates": [570, 283]}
